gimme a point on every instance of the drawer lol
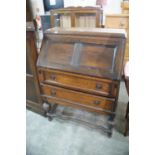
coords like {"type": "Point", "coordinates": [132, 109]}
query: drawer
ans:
{"type": "Point", "coordinates": [117, 22]}
{"type": "Point", "coordinates": [79, 82]}
{"type": "Point", "coordinates": [77, 98]}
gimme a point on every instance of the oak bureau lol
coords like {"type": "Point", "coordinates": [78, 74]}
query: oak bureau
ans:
{"type": "Point", "coordinates": [81, 68]}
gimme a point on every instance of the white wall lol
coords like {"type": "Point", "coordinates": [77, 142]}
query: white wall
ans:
{"type": "Point", "coordinates": [79, 3]}
{"type": "Point", "coordinates": [113, 6]}
{"type": "Point", "coordinates": [37, 4]}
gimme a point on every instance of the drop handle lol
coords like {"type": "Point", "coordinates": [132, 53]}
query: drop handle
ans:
{"type": "Point", "coordinates": [98, 86]}
{"type": "Point", "coordinates": [97, 102]}
{"type": "Point", "coordinates": [121, 24]}
{"type": "Point", "coordinates": [53, 77]}
{"type": "Point", "coordinates": [53, 93]}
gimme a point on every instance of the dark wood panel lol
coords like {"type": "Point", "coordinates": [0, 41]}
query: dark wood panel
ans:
{"type": "Point", "coordinates": [31, 91]}
{"type": "Point", "coordinates": [35, 107]}
{"type": "Point", "coordinates": [28, 63]}
{"type": "Point", "coordinates": [32, 83]}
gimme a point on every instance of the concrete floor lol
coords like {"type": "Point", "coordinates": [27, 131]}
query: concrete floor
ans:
{"type": "Point", "coordinates": [68, 138]}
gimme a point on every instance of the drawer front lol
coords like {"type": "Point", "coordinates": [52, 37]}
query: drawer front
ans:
{"type": "Point", "coordinates": [78, 82]}
{"type": "Point", "coordinates": [117, 22]}
{"type": "Point", "coordinates": [78, 98]}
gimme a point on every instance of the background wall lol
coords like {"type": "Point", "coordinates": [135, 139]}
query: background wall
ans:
{"type": "Point", "coordinates": [79, 3]}
{"type": "Point", "coordinates": [37, 4]}
{"type": "Point", "coordinates": [113, 6]}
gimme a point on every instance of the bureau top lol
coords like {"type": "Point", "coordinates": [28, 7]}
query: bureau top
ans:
{"type": "Point", "coordinates": [94, 52]}
{"type": "Point", "coordinates": [88, 32]}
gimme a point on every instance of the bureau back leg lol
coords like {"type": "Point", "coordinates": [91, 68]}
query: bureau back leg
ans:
{"type": "Point", "coordinates": [52, 111]}
{"type": "Point", "coordinates": [46, 108]}
{"type": "Point", "coordinates": [49, 110]}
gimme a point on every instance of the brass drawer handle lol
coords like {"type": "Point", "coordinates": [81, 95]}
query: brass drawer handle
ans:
{"type": "Point", "coordinates": [98, 86]}
{"type": "Point", "coordinates": [97, 102]}
{"type": "Point", "coordinates": [53, 93]}
{"type": "Point", "coordinates": [53, 77]}
{"type": "Point", "coordinates": [122, 24]}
